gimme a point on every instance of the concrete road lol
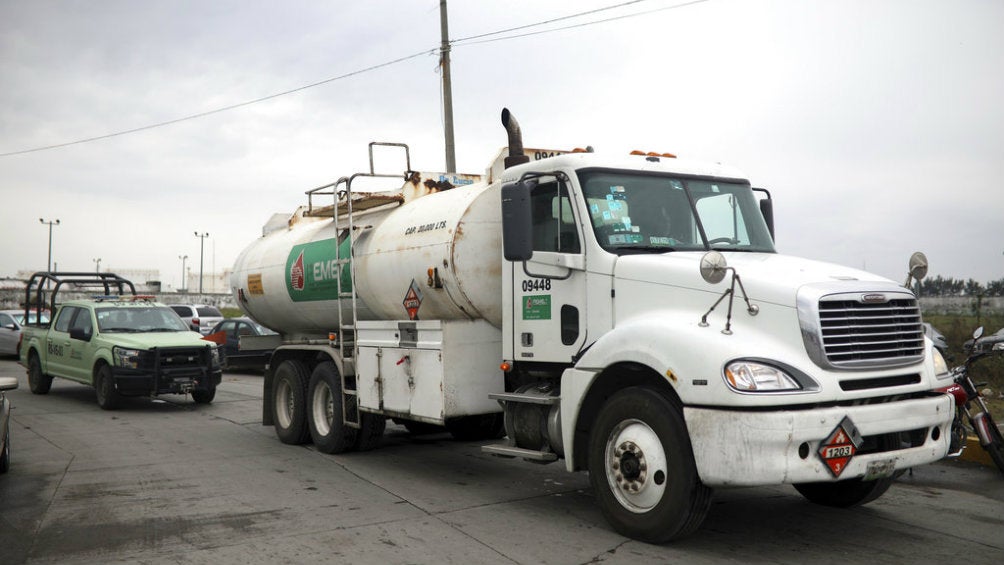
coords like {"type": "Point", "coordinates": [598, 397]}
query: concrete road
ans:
{"type": "Point", "coordinates": [174, 482]}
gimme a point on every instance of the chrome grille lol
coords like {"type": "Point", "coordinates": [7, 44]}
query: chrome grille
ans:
{"type": "Point", "coordinates": [857, 334]}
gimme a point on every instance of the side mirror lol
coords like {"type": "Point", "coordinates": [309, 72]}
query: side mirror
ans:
{"type": "Point", "coordinates": [12, 327]}
{"type": "Point", "coordinates": [713, 267]}
{"type": "Point", "coordinates": [517, 229]}
{"type": "Point", "coordinates": [79, 334]}
{"type": "Point", "coordinates": [918, 268]}
{"type": "Point", "coordinates": [767, 211]}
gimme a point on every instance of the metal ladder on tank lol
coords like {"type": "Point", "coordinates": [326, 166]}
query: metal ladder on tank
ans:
{"type": "Point", "coordinates": [347, 345]}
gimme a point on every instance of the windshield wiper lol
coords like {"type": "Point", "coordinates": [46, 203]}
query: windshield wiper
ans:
{"type": "Point", "coordinates": [643, 248]}
{"type": "Point", "coordinates": [122, 330]}
{"type": "Point", "coordinates": [165, 330]}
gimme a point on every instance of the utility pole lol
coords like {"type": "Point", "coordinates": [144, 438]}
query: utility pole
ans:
{"type": "Point", "coordinates": [202, 245]}
{"type": "Point", "coordinates": [183, 259]}
{"type": "Point", "coordinates": [97, 265]}
{"type": "Point", "coordinates": [50, 223]}
{"type": "Point", "coordinates": [444, 62]}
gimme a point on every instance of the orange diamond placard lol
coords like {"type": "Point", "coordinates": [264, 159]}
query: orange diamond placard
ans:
{"type": "Point", "coordinates": [840, 446]}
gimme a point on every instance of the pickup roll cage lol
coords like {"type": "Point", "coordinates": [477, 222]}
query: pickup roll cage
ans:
{"type": "Point", "coordinates": [39, 283]}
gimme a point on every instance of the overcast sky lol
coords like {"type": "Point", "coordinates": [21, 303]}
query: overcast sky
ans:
{"type": "Point", "coordinates": [878, 126]}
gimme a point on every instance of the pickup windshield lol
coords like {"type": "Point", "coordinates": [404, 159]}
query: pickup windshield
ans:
{"type": "Point", "coordinates": [136, 319]}
{"type": "Point", "coordinates": [635, 212]}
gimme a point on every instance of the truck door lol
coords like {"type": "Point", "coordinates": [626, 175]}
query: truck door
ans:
{"type": "Point", "coordinates": [57, 342]}
{"type": "Point", "coordinates": [548, 291]}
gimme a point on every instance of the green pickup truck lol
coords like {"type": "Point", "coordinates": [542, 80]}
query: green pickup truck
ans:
{"type": "Point", "coordinates": [121, 344]}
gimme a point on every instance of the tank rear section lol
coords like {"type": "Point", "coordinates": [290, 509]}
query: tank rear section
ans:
{"type": "Point", "coordinates": [434, 257]}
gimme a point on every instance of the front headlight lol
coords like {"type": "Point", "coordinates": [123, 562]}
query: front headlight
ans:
{"type": "Point", "coordinates": [751, 376]}
{"type": "Point", "coordinates": [215, 356]}
{"type": "Point", "coordinates": [940, 366]}
{"type": "Point", "coordinates": [126, 357]}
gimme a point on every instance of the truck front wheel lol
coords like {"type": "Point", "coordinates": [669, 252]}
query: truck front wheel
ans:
{"type": "Point", "coordinates": [327, 427]}
{"type": "Point", "coordinates": [642, 468]}
{"type": "Point", "coordinates": [104, 389]}
{"type": "Point", "coordinates": [38, 382]}
{"type": "Point", "coordinates": [289, 406]}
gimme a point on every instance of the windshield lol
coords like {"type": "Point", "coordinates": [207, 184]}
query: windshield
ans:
{"type": "Point", "coordinates": [139, 319]}
{"type": "Point", "coordinates": [640, 212]}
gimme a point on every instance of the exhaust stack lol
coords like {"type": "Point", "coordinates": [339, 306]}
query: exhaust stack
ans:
{"type": "Point", "coordinates": [516, 156]}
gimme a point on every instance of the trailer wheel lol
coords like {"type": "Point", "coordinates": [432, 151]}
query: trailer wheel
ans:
{"type": "Point", "coordinates": [327, 429]}
{"type": "Point", "coordinates": [104, 389]}
{"type": "Point", "coordinates": [481, 427]}
{"type": "Point", "coordinates": [38, 382]}
{"type": "Point", "coordinates": [289, 407]}
{"type": "Point", "coordinates": [642, 468]}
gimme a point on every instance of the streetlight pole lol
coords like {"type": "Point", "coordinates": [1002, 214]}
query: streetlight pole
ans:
{"type": "Point", "coordinates": [202, 245]}
{"type": "Point", "coordinates": [183, 259]}
{"type": "Point", "coordinates": [50, 223]}
{"type": "Point", "coordinates": [97, 265]}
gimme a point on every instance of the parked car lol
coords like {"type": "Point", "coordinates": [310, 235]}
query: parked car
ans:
{"type": "Point", "coordinates": [199, 317]}
{"type": "Point", "coordinates": [228, 333]}
{"type": "Point", "coordinates": [11, 322]}
{"type": "Point", "coordinates": [6, 383]}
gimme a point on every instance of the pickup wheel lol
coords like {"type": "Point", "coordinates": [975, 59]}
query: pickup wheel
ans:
{"type": "Point", "coordinates": [642, 468]}
{"type": "Point", "coordinates": [204, 396]}
{"type": "Point", "coordinates": [38, 382]}
{"type": "Point", "coordinates": [104, 389]}
{"type": "Point", "coordinates": [327, 428]}
{"type": "Point", "coordinates": [289, 406]}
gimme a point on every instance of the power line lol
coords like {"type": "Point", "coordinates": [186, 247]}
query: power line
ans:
{"type": "Point", "coordinates": [517, 28]}
{"type": "Point", "coordinates": [471, 40]}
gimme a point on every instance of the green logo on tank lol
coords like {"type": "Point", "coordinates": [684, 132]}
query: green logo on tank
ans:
{"type": "Point", "coordinates": [312, 270]}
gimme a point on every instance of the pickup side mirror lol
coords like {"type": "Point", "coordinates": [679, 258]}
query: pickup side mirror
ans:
{"type": "Point", "coordinates": [517, 231]}
{"type": "Point", "coordinates": [79, 334]}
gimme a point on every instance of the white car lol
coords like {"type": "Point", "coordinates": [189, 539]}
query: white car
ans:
{"type": "Point", "coordinates": [199, 317]}
{"type": "Point", "coordinates": [10, 329]}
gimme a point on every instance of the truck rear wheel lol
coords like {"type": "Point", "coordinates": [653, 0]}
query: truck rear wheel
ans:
{"type": "Point", "coordinates": [327, 427]}
{"type": "Point", "coordinates": [642, 468]}
{"type": "Point", "coordinates": [104, 389]}
{"type": "Point", "coordinates": [289, 406]}
{"type": "Point", "coordinates": [38, 382]}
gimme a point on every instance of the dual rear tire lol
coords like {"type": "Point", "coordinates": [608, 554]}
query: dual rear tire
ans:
{"type": "Point", "coordinates": [310, 407]}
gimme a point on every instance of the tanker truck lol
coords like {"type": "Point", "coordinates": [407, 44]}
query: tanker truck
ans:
{"type": "Point", "coordinates": [625, 314]}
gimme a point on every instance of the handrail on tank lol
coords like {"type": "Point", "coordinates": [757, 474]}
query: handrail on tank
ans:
{"type": "Point", "coordinates": [38, 281]}
{"type": "Point", "coordinates": [407, 154]}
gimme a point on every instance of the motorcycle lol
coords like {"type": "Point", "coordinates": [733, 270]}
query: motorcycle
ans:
{"type": "Point", "coordinates": [970, 405]}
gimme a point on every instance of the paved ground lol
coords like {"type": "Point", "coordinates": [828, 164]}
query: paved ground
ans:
{"type": "Point", "coordinates": [175, 482]}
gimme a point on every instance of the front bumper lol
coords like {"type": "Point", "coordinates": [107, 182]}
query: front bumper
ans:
{"type": "Point", "coordinates": [138, 382]}
{"type": "Point", "coordinates": [746, 448]}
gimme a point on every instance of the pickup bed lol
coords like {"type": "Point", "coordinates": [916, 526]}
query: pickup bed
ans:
{"type": "Point", "coordinates": [122, 346]}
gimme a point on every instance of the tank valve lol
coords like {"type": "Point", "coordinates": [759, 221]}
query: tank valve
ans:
{"type": "Point", "coordinates": [403, 359]}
